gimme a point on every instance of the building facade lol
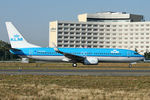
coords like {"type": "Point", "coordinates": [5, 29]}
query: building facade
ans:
{"type": "Point", "coordinates": [126, 32]}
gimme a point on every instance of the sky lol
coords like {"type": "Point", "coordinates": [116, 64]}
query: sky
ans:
{"type": "Point", "coordinates": [32, 17]}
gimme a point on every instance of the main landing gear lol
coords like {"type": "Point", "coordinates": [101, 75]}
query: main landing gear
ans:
{"type": "Point", "coordinates": [130, 64]}
{"type": "Point", "coordinates": [74, 65]}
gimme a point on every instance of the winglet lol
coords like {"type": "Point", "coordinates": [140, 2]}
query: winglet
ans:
{"type": "Point", "coordinates": [55, 47]}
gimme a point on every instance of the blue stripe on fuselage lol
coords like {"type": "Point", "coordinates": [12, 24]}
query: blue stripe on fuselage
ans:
{"type": "Point", "coordinates": [103, 52]}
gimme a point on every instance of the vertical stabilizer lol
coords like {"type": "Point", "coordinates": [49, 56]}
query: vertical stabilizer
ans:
{"type": "Point", "coordinates": [16, 39]}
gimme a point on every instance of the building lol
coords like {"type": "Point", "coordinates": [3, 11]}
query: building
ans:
{"type": "Point", "coordinates": [102, 30]}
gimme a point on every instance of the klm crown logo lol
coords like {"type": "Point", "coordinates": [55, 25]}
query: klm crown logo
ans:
{"type": "Point", "coordinates": [114, 51]}
{"type": "Point", "coordinates": [16, 38]}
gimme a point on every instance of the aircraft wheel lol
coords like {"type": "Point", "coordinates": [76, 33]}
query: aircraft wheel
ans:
{"type": "Point", "coordinates": [130, 65]}
{"type": "Point", "coordinates": [74, 65]}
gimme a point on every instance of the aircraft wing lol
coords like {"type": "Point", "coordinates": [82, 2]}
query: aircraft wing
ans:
{"type": "Point", "coordinates": [72, 57]}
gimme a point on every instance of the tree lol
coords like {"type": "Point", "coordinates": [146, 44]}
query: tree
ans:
{"type": "Point", "coordinates": [4, 52]}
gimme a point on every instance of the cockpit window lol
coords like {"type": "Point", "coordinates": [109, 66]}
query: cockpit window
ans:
{"type": "Point", "coordinates": [136, 53]}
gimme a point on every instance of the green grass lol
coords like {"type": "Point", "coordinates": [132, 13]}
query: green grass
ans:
{"type": "Point", "coordinates": [42, 87]}
{"type": "Point", "coordinates": [105, 66]}
{"type": "Point", "coordinates": [73, 87]}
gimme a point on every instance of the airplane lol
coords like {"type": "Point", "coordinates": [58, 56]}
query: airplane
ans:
{"type": "Point", "coordinates": [86, 56]}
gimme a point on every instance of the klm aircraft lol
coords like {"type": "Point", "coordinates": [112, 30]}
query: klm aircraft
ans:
{"type": "Point", "coordinates": [86, 56]}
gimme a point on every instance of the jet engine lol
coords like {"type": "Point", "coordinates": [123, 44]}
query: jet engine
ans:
{"type": "Point", "coordinates": [90, 61]}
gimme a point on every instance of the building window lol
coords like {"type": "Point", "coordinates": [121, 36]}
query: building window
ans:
{"type": "Point", "coordinates": [126, 25]}
{"type": "Point", "coordinates": [65, 41]}
{"type": "Point", "coordinates": [95, 33]}
{"type": "Point", "coordinates": [71, 33]}
{"type": "Point", "coordinates": [59, 45]}
{"type": "Point", "coordinates": [89, 38]}
{"type": "Point", "coordinates": [101, 42]}
{"type": "Point", "coordinates": [72, 46]}
{"type": "Point", "coordinates": [113, 25]}
{"type": "Point", "coordinates": [77, 29]}
{"type": "Point", "coordinates": [147, 33]}
{"type": "Point", "coordinates": [65, 24]}
{"type": "Point", "coordinates": [101, 29]}
{"type": "Point", "coordinates": [83, 33]}
{"type": "Point", "coordinates": [71, 41]}
{"type": "Point", "coordinates": [95, 42]}
{"type": "Point", "coordinates": [71, 37]}
{"type": "Point", "coordinates": [77, 33]}
{"type": "Point", "coordinates": [59, 37]}
{"type": "Point", "coordinates": [83, 41]}
{"type": "Point", "coordinates": [60, 24]}
{"type": "Point", "coordinates": [101, 25]}
{"type": "Point", "coordinates": [114, 38]}
{"type": "Point", "coordinates": [107, 25]}
{"type": "Point", "coordinates": [89, 25]}
{"type": "Point", "coordinates": [89, 33]}
{"type": "Point", "coordinates": [95, 37]}
{"type": "Point", "coordinates": [83, 29]}
{"type": "Point", "coordinates": [101, 38]}
{"type": "Point", "coordinates": [89, 29]}
{"type": "Point", "coordinates": [89, 42]}
{"type": "Point", "coordinates": [95, 25]}
{"type": "Point", "coordinates": [59, 41]}
{"type": "Point", "coordinates": [83, 37]}
{"type": "Point", "coordinates": [107, 38]}
{"type": "Point", "coordinates": [66, 29]}
{"type": "Point", "coordinates": [114, 33]}
{"type": "Point", "coordinates": [77, 25]}
{"type": "Point", "coordinates": [60, 33]}
{"type": "Point", "coordinates": [136, 38]}
{"type": "Point", "coordinates": [71, 29]}
{"type": "Point", "coordinates": [101, 33]}
{"type": "Point", "coordinates": [77, 37]}
{"type": "Point", "coordinates": [84, 25]}
{"type": "Point", "coordinates": [77, 41]}
{"type": "Point", "coordinates": [107, 33]}
{"type": "Point", "coordinates": [65, 45]}
{"type": "Point", "coordinates": [66, 33]}
{"type": "Point", "coordinates": [95, 29]}
{"type": "Point", "coordinates": [71, 24]}
{"type": "Point", "coordinates": [120, 29]}
{"type": "Point", "coordinates": [66, 37]}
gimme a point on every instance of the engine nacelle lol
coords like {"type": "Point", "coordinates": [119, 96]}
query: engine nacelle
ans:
{"type": "Point", "coordinates": [90, 61]}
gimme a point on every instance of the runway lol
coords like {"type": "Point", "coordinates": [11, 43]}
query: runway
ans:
{"type": "Point", "coordinates": [81, 72]}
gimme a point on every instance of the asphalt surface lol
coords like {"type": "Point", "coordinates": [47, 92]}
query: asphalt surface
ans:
{"type": "Point", "coordinates": [81, 72]}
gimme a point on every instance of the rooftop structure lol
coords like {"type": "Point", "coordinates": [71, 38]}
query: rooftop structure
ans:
{"type": "Point", "coordinates": [110, 17]}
